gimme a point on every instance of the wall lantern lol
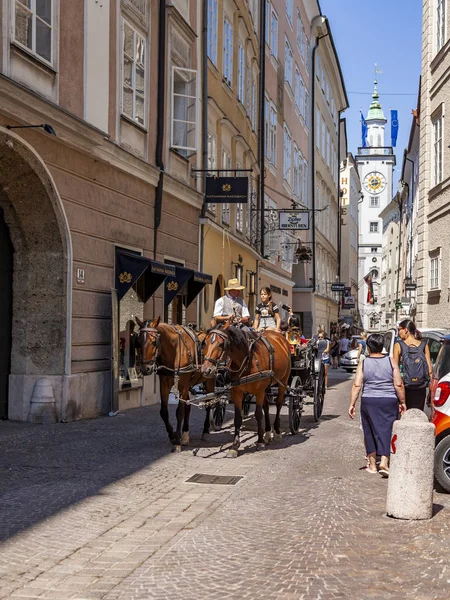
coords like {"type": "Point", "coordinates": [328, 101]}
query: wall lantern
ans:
{"type": "Point", "coordinates": [251, 283]}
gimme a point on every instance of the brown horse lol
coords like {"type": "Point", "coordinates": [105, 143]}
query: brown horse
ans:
{"type": "Point", "coordinates": [249, 354]}
{"type": "Point", "coordinates": [174, 351]}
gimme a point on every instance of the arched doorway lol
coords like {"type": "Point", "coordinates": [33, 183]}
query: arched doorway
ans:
{"type": "Point", "coordinates": [41, 271]}
{"type": "Point", "coordinates": [6, 265]}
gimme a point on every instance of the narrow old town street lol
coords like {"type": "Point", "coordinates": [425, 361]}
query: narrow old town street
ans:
{"type": "Point", "coordinates": [101, 509]}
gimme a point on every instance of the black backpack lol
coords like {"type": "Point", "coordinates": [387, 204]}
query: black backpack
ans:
{"type": "Point", "coordinates": [415, 366]}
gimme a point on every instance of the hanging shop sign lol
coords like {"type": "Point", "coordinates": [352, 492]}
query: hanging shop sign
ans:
{"type": "Point", "coordinates": [224, 190]}
{"type": "Point", "coordinates": [294, 220]}
{"type": "Point", "coordinates": [338, 287]}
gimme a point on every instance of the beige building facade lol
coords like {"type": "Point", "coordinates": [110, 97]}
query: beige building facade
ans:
{"type": "Point", "coordinates": [433, 264]}
{"type": "Point", "coordinates": [350, 188]}
{"type": "Point", "coordinates": [117, 174]}
{"type": "Point", "coordinates": [230, 231]}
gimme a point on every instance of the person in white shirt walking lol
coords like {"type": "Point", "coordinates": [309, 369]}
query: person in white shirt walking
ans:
{"type": "Point", "coordinates": [343, 345]}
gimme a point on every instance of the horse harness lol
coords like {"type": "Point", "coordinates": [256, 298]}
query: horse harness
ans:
{"type": "Point", "coordinates": [252, 342]}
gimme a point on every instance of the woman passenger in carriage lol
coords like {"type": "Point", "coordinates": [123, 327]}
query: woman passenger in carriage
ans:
{"type": "Point", "coordinates": [267, 313]}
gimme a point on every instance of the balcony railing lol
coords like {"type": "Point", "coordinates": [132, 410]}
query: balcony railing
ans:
{"type": "Point", "coordinates": [375, 151]}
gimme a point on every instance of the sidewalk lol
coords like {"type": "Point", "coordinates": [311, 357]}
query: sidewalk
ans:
{"type": "Point", "coordinates": [101, 509]}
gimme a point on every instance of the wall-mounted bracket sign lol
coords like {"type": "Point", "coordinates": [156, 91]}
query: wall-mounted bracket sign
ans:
{"type": "Point", "coordinates": [294, 220]}
{"type": "Point", "coordinates": [222, 190]}
{"type": "Point", "coordinates": [338, 287]}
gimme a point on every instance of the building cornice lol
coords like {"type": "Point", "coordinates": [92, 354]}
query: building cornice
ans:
{"type": "Point", "coordinates": [24, 106]}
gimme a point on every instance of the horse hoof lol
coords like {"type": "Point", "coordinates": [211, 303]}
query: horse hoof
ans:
{"type": "Point", "coordinates": [205, 436]}
{"type": "Point", "coordinates": [232, 453]}
{"type": "Point", "coordinates": [176, 449]}
{"type": "Point", "coordinates": [185, 438]}
{"type": "Point", "coordinates": [260, 446]}
{"type": "Point", "coordinates": [277, 437]}
{"type": "Point", "coordinates": [267, 437]}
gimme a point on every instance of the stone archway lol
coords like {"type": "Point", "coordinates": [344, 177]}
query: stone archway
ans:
{"type": "Point", "coordinates": [41, 307]}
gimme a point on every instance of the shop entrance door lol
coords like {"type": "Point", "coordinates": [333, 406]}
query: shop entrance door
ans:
{"type": "Point", "coordinates": [6, 267]}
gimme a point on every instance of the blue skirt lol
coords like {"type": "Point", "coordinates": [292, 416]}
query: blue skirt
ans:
{"type": "Point", "coordinates": [377, 418]}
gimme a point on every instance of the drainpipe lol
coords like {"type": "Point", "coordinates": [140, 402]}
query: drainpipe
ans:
{"type": "Point", "coordinates": [261, 132]}
{"type": "Point", "coordinates": [204, 162]}
{"type": "Point", "coordinates": [339, 227]}
{"type": "Point", "coordinates": [160, 120]}
{"type": "Point", "coordinates": [400, 249]}
{"type": "Point", "coordinates": [313, 148]}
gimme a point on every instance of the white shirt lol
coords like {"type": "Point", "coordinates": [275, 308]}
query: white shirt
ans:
{"type": "Point", "coordinates": [218, 308]}
{"type": "Point", "coordinates": [343, 345]}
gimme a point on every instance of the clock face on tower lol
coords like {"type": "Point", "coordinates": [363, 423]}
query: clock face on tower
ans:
{"type": "Point", "coordinates": [374, 182]}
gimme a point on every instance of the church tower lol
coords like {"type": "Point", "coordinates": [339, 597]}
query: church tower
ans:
{"type": "Point", "coordinates": [375, 163]}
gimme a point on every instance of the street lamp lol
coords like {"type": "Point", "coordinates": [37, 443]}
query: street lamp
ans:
{"type": "Point", "coordinates": [48, 128]}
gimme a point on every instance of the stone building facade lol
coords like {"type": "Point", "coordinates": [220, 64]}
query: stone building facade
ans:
{"type": "Point", "coordinates": [116, 174]}
{"type": "Point", "coordinates": [433, 261]}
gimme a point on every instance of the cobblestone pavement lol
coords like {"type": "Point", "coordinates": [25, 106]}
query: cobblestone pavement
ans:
{"type": "Point", "coordinates": [101, 510]}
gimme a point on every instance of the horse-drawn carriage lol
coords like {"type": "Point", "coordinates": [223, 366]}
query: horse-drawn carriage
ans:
{"type": "Point", "coordinates": [232, 364]}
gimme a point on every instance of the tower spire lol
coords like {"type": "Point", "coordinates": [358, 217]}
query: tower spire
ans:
{"type": "Point", "coordinates": [375, 110]}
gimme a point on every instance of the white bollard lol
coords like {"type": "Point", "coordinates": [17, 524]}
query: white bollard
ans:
{"type": "Point", "coordinates": [411, 470]}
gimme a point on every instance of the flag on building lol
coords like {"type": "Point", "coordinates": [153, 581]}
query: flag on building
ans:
{"type": "Point", "coordinates": [394, 127]}
{"type": "Point", "coordinates": [369, 282]}
{"type": "Point", "coordinates": [363, 131]}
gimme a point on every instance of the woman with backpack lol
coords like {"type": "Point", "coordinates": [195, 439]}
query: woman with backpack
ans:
{"type": "Point", "coordinates": [413, 356]}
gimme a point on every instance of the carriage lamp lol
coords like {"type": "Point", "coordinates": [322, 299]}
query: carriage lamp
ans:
{"type": "Point", "coordinates": [48, 128]}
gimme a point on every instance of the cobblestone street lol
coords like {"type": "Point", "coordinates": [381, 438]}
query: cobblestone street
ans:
{"type": "Point", "coordinates": [101, 509]}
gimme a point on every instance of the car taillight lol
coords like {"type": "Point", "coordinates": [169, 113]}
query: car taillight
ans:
{"type": "Point", "coordinates": [442, 393]}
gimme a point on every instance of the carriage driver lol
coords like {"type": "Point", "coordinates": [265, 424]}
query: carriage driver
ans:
{"type": "Point", "coordinates": [231, 305]}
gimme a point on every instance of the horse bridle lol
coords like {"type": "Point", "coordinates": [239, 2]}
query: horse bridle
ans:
{"type": "Point", "coordinates": [224, 337]}
{"type": "Point", "coordinates": [156, 337]}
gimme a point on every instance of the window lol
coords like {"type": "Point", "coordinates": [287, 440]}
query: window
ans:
{"type": "Point", "coordinates": [239, 217]}
{"type": "Point", "coordinates": [184, 110]}
{"type": "Point", "coordinates": [274, 33]}
{"type": "Point", "coordinates": [298, 173]}
{"type": "Point", "coordinates": [241, 74]}
{"type": "Point", "coordinates": [33, 26]}
{"type": "Point", "coordinates": [299, 93]}
{"type": "Point", "coordinates": [437, 150]}
{"type": "Point", "coordinates": [268, 22]}
{"type": "Point", "coordinates": [287, 162]}
{"type": "Point", "coordinates": [318, 128]}
{"type": "Point", "coordinates": [373, 227]}
{"type": "Point", "coordinates": [434, 272]}
{"type": "Point", "coordinates": [440, 24]}
{"type": "Point", "coordinates": [306, 111]}
{"type": "Point", "coordinates": [254, 102]}
{"type": "Point", "coordinates": [288, 62]}
{"type": "Point", "coordinates": [328, 148]}
{"type": "Point", "coordinates": [212, 30]}
{"type": "Point", "coordinates": [228, 52]}
{"type": "Point", "coordinates": [273, 135]}
{"type": "Point", "coordinates": [290, 11]}
{"type": "Point", "coordinates": [323, 143]}
{"type": "Point", "coordinates": [374, 201]}
{"type": "Point", "coordinates": [133, 75]}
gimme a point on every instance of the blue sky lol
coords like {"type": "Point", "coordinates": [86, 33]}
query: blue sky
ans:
{"type": "Point", "coordinates": [386, 32]}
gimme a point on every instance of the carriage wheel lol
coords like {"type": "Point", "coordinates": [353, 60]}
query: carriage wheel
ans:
{"type": "Point", "coordinates": [319, 392]}
{"type": "Point", "coordinates": [246, 400]}
{"type": "Point", "coordinates": [295, 406]}
{"type": "Point", "coordinates": [217, 414]}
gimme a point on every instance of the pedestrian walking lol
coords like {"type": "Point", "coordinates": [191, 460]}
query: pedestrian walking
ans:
{"type": "Point", "coordinates": [362, 346]}
{"type": "Point", "coordinates": [383, 397]}
{"type": "Point", "coordinates": [334, 352]}
{"type": "Point", "coordinates": [323, 350]}
{"type": "Point", "coordinates": [343, 345]}
{"type": "Point", "coordinates": [413, 356]}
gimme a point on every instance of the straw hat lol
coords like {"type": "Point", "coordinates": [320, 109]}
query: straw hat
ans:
{"type": "Point", "coordinates": [233, 284]}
